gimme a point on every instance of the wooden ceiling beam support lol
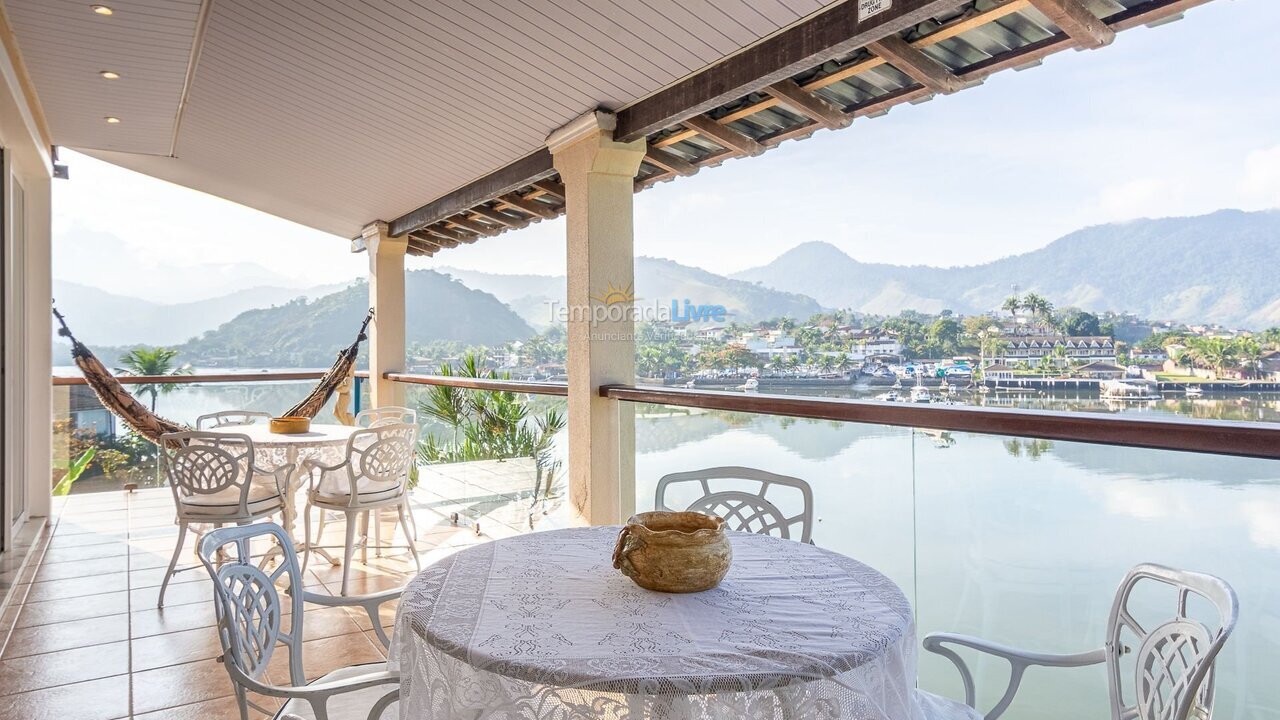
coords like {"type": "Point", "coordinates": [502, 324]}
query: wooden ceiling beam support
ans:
{"type": "Point", "coordinates": [836, 31]}
{"type": "Point", "coordinates": [1077, 21]}
{"type": "Point", "coordinates": [803, 102]}
{"type": "Point", "coordinates": [916, 65]}
{"type": "Point", "coordinates": [508, 179]}
{"type": "Point", "coordinates": [475, 227]}
{"type": "Point", "coordinates": [532, 207]}
{"type": "Point", "coordinates": [554, 188]}
{"type": "Point", "coordinates": [445, 237]}
{"type": "Point", "coordinates": [499, 217]}
{"type": "Point", "coordinates": [669, 161]}
{"type": "Point", "coordinates": [723, 135]}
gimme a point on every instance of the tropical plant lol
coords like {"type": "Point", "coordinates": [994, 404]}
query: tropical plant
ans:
{"type": "Point", "coordinates": [153, 362]}
{"type": "Point", "coordinates": [1248, 352]}
{"type": "Point", "coordinates": [486, 424]}
{"type": "Point", "coordinates": [1215, 354]}
{"type": "Point", "coordinates": [1038, 306]}
{"type": "Point", "coordinates": [74, 470]}
{"type": "Point", "coordinates": [1012, 305]}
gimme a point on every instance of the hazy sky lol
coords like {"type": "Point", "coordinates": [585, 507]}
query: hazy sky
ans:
{"type": "Point", "coordinates": [1178, 120]}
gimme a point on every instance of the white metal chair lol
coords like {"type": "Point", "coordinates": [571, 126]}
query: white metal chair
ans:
{"type": "Point", "coordinates": [754, 512]}
{"type": "Point", "coordinates": [215, 482]}
{"type": "Point", "coordinates": [373, 475]}
{"type": "Point", "coordinates": [230, 418]}
{"type": "Point", "coordinates": [1160, 672]}
{"type": "Point", "coordinates": [389, 415]}
{"type": "Point", "coordinates": [251, 623]}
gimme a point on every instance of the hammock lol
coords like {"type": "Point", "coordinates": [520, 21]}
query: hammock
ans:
{"type": "Point", "coordinates": [117, 399]}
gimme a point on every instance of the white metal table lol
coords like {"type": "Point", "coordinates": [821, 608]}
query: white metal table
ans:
{"type": "Point", "coordinates": [323, 443]}
{"type": "Point", "coordinates": [542, 626]}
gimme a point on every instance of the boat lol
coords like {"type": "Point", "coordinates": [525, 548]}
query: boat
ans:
{"type": "Point", "coordinates": [921, 394]}
{"type": "Point", "coordinates": [751, 385]}
{"type": "Point", "coordinates": [1129, 389]}
{"type": "Point", "coordinates": [897, 384]}
{"type": "Point", "coordinates": [891, 396]}
{"type": "Point", "coordinates": [1194, 391]}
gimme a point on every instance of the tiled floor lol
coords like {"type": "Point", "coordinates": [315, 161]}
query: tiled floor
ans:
{"type": "Point", "coordinates": [87, 641]}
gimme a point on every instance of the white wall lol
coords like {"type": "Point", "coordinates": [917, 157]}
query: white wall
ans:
{"type": "Point", "coordinates": [28, 393]}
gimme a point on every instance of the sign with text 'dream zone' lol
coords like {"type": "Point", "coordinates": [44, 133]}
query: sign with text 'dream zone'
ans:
{"type": "Point", "coordinates": [871, 8]}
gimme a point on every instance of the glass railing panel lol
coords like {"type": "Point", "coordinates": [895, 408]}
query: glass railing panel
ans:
{"type": "Point", "coordinates": [860, 475]}
{"type": "Point", "coordinates": [493, 460]}
{"type": "Point", "coordinates": [1024, 542]}
{"type": "Point", "coordinates": [120, 457]}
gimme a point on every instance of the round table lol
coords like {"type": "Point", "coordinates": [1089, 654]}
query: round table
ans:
{"type": "Point", "coordinates": [323, 443]}
{"type": "Point", "coordinates": [542, 626]}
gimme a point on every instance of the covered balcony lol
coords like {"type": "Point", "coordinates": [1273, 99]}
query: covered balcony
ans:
{"type": "Point", "coordinates": [410, 129]}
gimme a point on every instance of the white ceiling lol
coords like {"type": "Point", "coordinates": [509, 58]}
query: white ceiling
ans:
{"type": "Point", "coordinates": [333, 113]}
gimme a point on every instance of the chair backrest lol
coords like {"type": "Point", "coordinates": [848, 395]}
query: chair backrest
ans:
{"type": "Point", "coordinates": [203, 463]}
{"type": "Point", "coordinates": [747, 500]}
{"type": "Point", "coordinates": [230, 418]}
{"type": "Point", "coordinates": [247, 603]}
{"type": "Point", "coordinates": [389, 415]}
{"type": "Point", "coordinates": [1164, 671]}
{"type": "Point", "coordinates": [381, 457]}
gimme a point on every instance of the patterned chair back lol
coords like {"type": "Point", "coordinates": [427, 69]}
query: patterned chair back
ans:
{"type": "Point", "coordinates": [248, 605]}
{"type": "Point", "coordinates": [389, 415]}
{"type": "Point", "coordinates": [230, 418]}
{"type": "Point", "coordinates": [1165, 671]}
{"type": "Point", "coordinates": [747, 499]}
{"type": "Point", "coordinates": [203, 463]}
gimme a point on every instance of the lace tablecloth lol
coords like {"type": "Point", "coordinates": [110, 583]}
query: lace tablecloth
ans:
{"type": "Point", "coordinates": [542, 626]}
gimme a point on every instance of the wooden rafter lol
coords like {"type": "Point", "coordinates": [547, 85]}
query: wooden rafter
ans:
{"type": "Point", "coordinates": [805, 103]}
{"type": "Point", "coordinates": [550, 187]}
{"type": "Point", "coordinates": [532, 207]}
{"type": "Point", "coordinates": [499, 217]}
{"type": "Point", "coordinates": [916, 65]}
{"type": "Point", "coordinates": [534, 166]}
{"type": "Point", "coordinates": [1077, 21]}
{"type": "Point", "coordinates": [669, 161]}
{"type": "Point", "coordinates": [475, 227]}
{"type": "Point", "coordinates": [445, 236]}
{"type": "Point", "coordinates": [723, 135]}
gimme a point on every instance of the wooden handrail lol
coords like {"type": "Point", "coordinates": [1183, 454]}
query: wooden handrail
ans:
{"type": "Point", "coordinates": [532, 387]}
{"type": "Point", "coordinates": [202, 378]}
{"type": "Point", "coordinates": [1217, 437]}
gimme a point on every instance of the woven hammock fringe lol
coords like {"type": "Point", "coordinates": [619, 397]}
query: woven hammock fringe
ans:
{"type": "Point", "coordinates": [342, 369]}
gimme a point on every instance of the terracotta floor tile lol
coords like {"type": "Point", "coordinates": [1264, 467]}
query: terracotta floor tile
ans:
{"type": "Point", "coordinates": [324, 656]}
{"type": "Point", "coordinates": [326, 622]}
{"type": "Point", "coordinates": [175, 648]}
{"type": "Point", "coordinates": [184, 593]}
{"type": "Point", "coordinates": [68, 609]}
{"type": "Point", "coordinates": [76, 587]}
{"type": "Point", "coordinates": [175, 618]}
{"type": "Point", "coordinates": [220, 709]}
{"type": "Point", "coordinates": [82, 568]}
{"type": "Point", "coordinates": [105, 699]}
{"type": "Point", "coordinates": [66, 636]}
{"type": "Point", "coordinates": [36, 672]}
{"type": "Point", "coordinates": [179, 685]}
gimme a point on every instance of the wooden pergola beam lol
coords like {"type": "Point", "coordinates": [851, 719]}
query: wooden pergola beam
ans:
{"type": "Point", "coordinates": [916, 65]}
{"type": "Point", "coordinates": [834, 32]}
{"type": "Point", "coordinates": [531, 207]}
{"type": "Point", "coordinates": [805, 103]}
{"type": "Point", "coordinates": [446, 237]}
{"type": "Point", "coordinates": [669, 161]}
{"type": "Point", "coordinates": [1077, 21]}
{"type": "Point", "coordinates": [508, 179]}
{"type": "Point", "coordinates": [723, 135]}
{"type": "Point", "coordinates": [499, 217]}
{"type": "Point", "coordinates": [550, 187]}
{"type": "Point", "coordinates": [475, 227]}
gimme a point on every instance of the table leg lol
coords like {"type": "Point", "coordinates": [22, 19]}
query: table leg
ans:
{"type": "Point", "coordinates": [290, 512]}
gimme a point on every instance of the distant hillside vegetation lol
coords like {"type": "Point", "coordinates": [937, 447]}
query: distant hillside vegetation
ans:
{"type": "Point", "coordinates": [1217, 268]}
{"type": "Point", "coordinates": [309, 334]}
{"type": "Point", "coordinates": [656, 280]}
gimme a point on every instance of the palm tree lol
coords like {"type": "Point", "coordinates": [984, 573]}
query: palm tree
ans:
{"type": "Point", "coordinates": [152, 362]}
{"type": "Point", "coordinates": [1039, 306]}
{"type": "Point", "coordinates": [1249, 351]}
{"type": "Point", "coordinates": [1216, 354]}
{"type": "Point", "coordinates": [1012, 305]}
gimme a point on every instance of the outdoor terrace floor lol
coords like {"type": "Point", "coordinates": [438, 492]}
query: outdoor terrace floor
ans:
{"type": "Point", "coordinates": [87, 641]}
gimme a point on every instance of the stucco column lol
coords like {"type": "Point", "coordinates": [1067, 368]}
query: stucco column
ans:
{"type": "Point", "coordinates": [598, 176]}
{"type": "Point", "coordinates": [386, 297]}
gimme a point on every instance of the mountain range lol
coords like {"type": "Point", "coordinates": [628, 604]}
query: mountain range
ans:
{"type": "Point", "coordinates": [1216, 268]}
{"type": "Point", "coordinates": [656, 279]}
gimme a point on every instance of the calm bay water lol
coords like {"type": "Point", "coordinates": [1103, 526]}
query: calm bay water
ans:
{"type": "Point", "coordinates": [1019, 541]}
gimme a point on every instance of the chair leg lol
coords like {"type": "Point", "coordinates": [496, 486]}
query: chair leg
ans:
{"type": "Point", "coordinates": [324, 517]}
{"type": "Point", "coordinates": [376, 518]}
{"type": "Point", "coordinates": [413, 544]}
{"type": "Point", "coordinates": [364, 535]}
{"type": "Point", "coordinates": [243, 701]}
{"type": "Point", "coordinates": [306, 534]}
{"type": "Point", "coordinates": [173, 562]}
{"type": "Point", "coordinates": [350, 550]}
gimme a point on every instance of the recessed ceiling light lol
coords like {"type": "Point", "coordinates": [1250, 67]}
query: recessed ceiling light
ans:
{"type": "Point", "coordinates": [110, 75]}
{"type": "Point", "coordinates": [111, 120]}
{"type": "Point", "coordinates": [102, 9]}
